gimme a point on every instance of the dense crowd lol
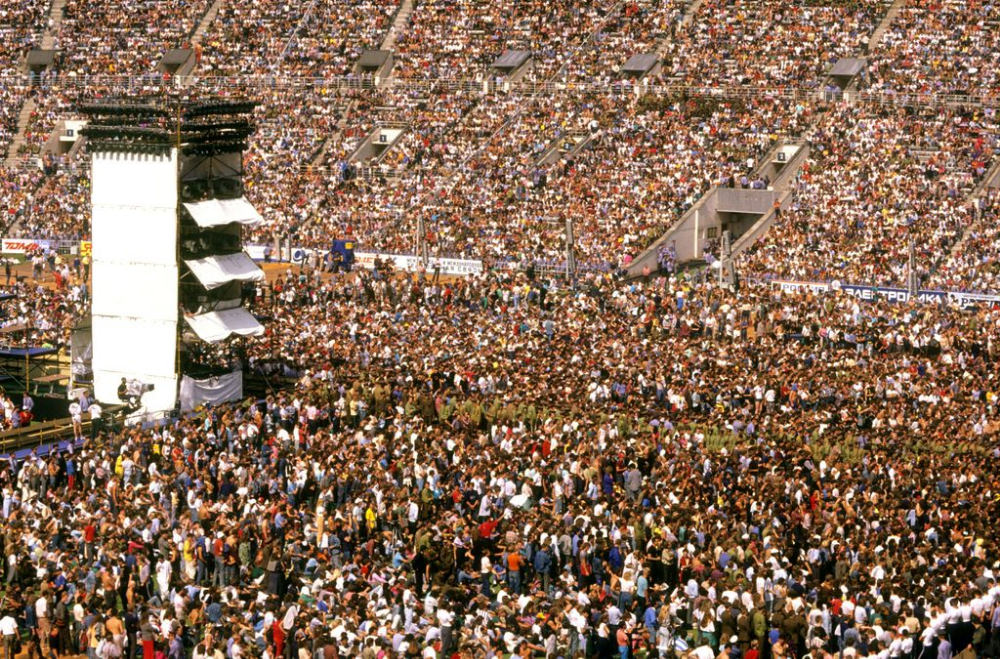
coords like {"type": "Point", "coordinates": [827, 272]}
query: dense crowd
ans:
{"type": "Point", "coordinates": [935, 47]}
{"type": "Point", "coordinates": [640, 28]}
{"type": "Point", "coordinates": [769, 44]}
{"type": "Point", "coordinates": [500, 466]}
{"type": "Point", "coordinates": [878, 178]}
{"type": "Point", "coordinates": [975, 266]}
{"type": "Point", "coordinates": [452, 476]}
{"type": "Point", "coordinates": [20, 30]}
{"type": "Point", "coordinates": [104, 37]}
{"type": "Point", "coordinates": [494, 173]}
{"type": "Point", "coordinates": [462, 39]}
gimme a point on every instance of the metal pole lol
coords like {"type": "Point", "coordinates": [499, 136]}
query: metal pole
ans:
{"type": "Point", "coordinates": [911, 272]}
{"type": "Point", "coordinates": [421, 240]}
{"type": "Point", "coordinates": [697, 222]}
{"type": "Point", "coordinates": [726, 261]}
{"type": "Point", "coordinates": [570, 256]}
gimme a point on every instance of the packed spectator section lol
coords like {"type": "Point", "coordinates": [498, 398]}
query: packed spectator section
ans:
{"type": "Point", "coordinates": [942, 47]}
{"type": "Point", "coordinates": [493, 167]}
{"type": "Point", "coordinates": [21, 27]}
{"type": "Point", "coordinates": [108, 37]}
{"type": "Point", "coordinates": [502, 465]}
{"type": "Point", "coordinates": [770, 44]}
{"type": "Point", "coordinates": [878, 179]}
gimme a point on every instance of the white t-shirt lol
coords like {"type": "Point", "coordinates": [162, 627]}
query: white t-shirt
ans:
{"type": "Point", "coordinates": [75, 411]}
{"type": "Point", "coordinates": [8, 626]}
{"type": "Point", "coordinates": [703, 652]}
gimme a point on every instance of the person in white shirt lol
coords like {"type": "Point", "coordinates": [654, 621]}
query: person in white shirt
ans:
{"type": "Point", "coordinates": [44, 624]}
{"type": "Point", "coordinates": [76, 415]}
{"type": "Point", "coordinates": [96, 421]}
{"type": "Point", "coordinates": [8, 628]}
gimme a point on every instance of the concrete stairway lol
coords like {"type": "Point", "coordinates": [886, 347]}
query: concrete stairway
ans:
{"type": "Point", "coordinates": [990, 181]}
{"type": "Point", "coordinates": [690, 13]}
{"type": "Point", "coordinates": [22, 126]}
{"type": "Point", "coordinates": [399, 25]}
{"type": "Point", "coordinates": [48, 42]}
{"type": "Point", "coordinates": [887, 20]}
{"type": "Point", "coordinates": [319, 160]}
{"type": "Point", "coordinates": [206, 22]}
{"type": "Point", "coordinates": [55, 24]}
{"type": "Point", "coordinates": [688, 232]}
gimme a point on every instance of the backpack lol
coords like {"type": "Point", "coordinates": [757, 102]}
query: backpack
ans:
{"type": "Point", "coordinates": [759, 624]}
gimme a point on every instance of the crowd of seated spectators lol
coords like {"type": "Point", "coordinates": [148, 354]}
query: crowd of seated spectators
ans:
{"type": "Point", "coordinates": [59, 206]}
{"type": "Point", "coordinates": [974, 266]}
{"type": "Point", "coordinates": [478, 166]}
{"type": "Point", "coordinates": [643, 162]}
{"type": "Point", "coordinates": [110, 37]}
{"type": "Point", "coordinates": [21, 25]}
{"type": "Point", "coordinates": [939, 47]}
{"type": "Point", "coordinates": [877, 179]}
{"type": "Point", "coordinates": [332, 36]}
{"type": "Point", "coordinates": [461, 39]}
{"type": "Point", "coordinates": [772, 44]}
{"type": "Point", "coordinates": [639, 28]}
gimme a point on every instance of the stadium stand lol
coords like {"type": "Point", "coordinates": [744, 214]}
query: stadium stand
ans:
{"type": "Point", "coordinates": [504, 464]}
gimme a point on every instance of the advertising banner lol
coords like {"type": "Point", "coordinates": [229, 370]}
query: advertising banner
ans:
{"type": "Point", "coordinates": [23, 245]}
{"type": "Point", "coordinates": [890, 294]}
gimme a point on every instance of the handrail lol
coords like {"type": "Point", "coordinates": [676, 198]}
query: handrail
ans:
{"type": "Point", "coordinates": [354, 81]}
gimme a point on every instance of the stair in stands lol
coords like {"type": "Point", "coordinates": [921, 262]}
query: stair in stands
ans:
{"type": "Point", "coordinates": [206, 22]}
{"type": "Point", "coordinates": [705, 213]}
{"type": "Point", "coordinates": [23, 118]}
{"type": "Point", "coordinates": [399, 25]}
{"type": "Point", "coordinates": [320, 158]}
{"type": "Point", "coordinates": [55, 24]}
{"type": "Point", "coordinates": [887, 20]}
{"type": "Point", "coordinates": [685, 20]}
{"type": "Point", "coordinates": [690, 12]}
{"type": "Point", "coordinates": [990, 180]}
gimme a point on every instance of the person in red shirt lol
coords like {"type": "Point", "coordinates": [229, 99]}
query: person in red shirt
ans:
{"type": "Point", "coordinates": [486, 530]}
{"type": "Point", "coordinates": [89, 536]}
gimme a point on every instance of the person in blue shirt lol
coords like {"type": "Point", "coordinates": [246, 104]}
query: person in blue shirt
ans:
{"type": "Point", "coordinates": [543, 566]}
{"type": "Point", "coordinates": [649, 619]}
{"type": "Point", "coordinates": [642, 587]}
{"type": "Point", "coordinates": [615, 559]}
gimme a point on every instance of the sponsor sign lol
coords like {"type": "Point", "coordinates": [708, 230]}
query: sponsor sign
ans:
{"type": "Point", "coordinates": [889, 294]}
{"type": "Point", "coordinates": [23, 245]}
{"type": "Point", "coordinates": [403, 262]}
{"type": "Point", "coordinates": [410, 263]}
{"type": "Point", "coordinates": [792, 286]}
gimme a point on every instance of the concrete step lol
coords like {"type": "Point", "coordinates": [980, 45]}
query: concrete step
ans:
{"type": "Point", "coordinates": [23, 117]}
{"type": "Point", "coordinates": [55, 24]}
{"type": "Point", "coordinates": [887, 20]}
{"type": "Point", "coordinates": [206, 22]}
{"type": "Point", "coordinates": [399, 25]}
{"type": "Point", "coordinates": [691, 12]}
{"type": "Point", "coordinates": [990, 180]}
{"type": "Point", "coordinates": [686, 19]}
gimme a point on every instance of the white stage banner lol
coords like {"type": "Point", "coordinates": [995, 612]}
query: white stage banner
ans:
{"type": "Point", "coordinates": [213, 390]}
{"type": "Point", "coordinates": [214, 271]}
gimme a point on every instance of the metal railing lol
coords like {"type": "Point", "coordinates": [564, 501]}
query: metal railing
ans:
{"type": "Point", "coordinates": [154, 82]}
